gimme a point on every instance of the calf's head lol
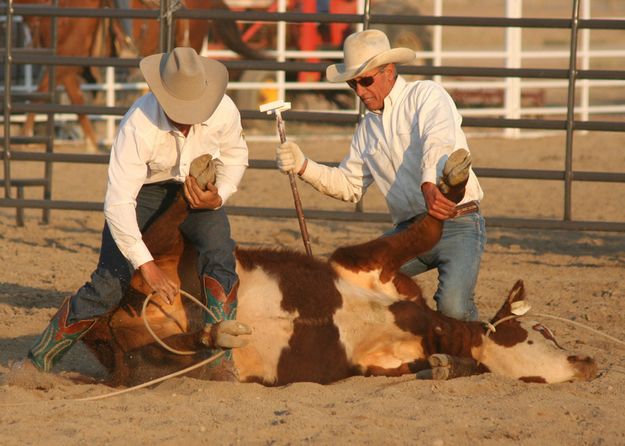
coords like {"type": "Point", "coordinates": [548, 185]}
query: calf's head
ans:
{"type": "Point", "coordinates": [527, 350]}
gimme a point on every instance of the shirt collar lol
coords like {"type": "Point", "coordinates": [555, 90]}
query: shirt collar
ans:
{"type": "Point", "coordinates": [393, 96]}
{"type": "Point", "coordinates": [166, 125]}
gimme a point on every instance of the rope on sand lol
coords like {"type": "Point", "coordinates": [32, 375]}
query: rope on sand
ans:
{"type": "Point", "coordinates": [578, 324]}
{"type": "Point", "coordinates": [154, 381]}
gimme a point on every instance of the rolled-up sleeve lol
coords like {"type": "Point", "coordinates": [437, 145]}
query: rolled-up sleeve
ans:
{"type": "Point", "coordinates": [126, 174]}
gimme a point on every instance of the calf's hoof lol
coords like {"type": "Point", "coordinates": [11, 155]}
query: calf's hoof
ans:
{"type": "Point", "coordinates": [455, 171]}
{"type": "Point", "coordinates": [225, 334]}
{"type": "Point", "coordinates": [441, 366]}
{"type": "Point", "coordinates": [203, 170]}
{"type": "Point", "coordinates": [447, 367]}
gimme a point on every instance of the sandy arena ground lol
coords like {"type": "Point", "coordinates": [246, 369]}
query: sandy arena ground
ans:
{"type": "Point", "coordinates": [575, 275]}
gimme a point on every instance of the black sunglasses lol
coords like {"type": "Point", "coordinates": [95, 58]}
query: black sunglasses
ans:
{"type": "Point", "coordinates": [363, 81]}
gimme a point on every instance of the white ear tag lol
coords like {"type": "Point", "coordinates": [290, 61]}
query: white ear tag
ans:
{"type": "Point", "coordinates": [519, 308]}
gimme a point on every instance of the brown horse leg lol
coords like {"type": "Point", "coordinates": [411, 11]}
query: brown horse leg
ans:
{"type": "Point", "coordinates": [72, 87]}
{"type": "Point", "coordinates": [29, 124]}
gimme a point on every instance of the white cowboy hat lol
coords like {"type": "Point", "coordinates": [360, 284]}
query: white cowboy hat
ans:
{"type": "Point", "coordinates": [364, 51]}
{"type": "Point", "coordinates": [189, 87]}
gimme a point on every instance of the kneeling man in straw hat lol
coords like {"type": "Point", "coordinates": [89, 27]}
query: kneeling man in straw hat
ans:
{"type": "Point", "coordinates": [185, 115]}
{"type": "Point", "coordinates": [402, 144]}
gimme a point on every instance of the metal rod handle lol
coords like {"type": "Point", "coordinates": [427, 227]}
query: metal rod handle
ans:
{"type": "Point", "coordinates": [296, 199]}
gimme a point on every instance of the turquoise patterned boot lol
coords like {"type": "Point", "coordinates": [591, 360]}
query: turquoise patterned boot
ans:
{"type": "Point", "coordinates": [223, 307]}
{"type": "Point", "coordinates": [57, 338]}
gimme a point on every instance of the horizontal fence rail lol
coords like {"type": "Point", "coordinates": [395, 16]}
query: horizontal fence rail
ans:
{"type": "Point", "coordinates": [572, 74]}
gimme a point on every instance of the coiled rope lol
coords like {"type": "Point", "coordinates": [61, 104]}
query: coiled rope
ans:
{"type": "Point", "coordinates": [159, 340]}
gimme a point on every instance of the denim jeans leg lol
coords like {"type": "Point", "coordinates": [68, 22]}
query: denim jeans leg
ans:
{"type": "Point", "coordinates": [112, 276]}
{"type": "Point", "coordinates": [459, 254]}
{"type": "Point", "coordinates": [209, 232]}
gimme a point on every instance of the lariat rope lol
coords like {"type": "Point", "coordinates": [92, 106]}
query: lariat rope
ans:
{"type": "Point", "coordinates": [159, 340]}
{"type": "Point", "coordinates": [154, 381]}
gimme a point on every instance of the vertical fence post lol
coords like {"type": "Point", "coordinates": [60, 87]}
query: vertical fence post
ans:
{"type": "Point", "coordinates": [366, 16]}
{"type": "Point", "coordinates": [166, 26]}
{"type": "Point", "coordinates": [281, 50]}
{"type": "Point", "coordinates": [110, 102]}
{"type": "Point", "coordinates": [570, 112]}
{"type": "Point", "coordinates": [584, 100]}
{"type": "Point", "coordinates": [437, 41]}
{"type": "Point", "coordinates": [512, 94]}
{"type": "Point", "coordinates": [48, 164]}
{"type": "Point", "coordinates": [8, 56]}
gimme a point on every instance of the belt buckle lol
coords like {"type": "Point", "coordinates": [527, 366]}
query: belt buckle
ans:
{"type": "Point", "coordinates": [467, 208]}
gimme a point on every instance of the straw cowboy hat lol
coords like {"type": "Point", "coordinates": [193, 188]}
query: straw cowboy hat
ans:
{"type": "Point", "coordinates": [364, 51]}
{"type": "Point", "coordinates": [189, 87]}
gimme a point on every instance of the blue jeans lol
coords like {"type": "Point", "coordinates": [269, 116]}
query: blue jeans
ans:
{"type": "Point", "coordinates": [207, 230]}
{"type": "Point", "coordinates": [457, 256]}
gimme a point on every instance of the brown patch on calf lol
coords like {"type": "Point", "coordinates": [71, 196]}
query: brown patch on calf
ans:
{"type": "Point", "coordinates": [440, 333]}
{"type": "Point", "coordinates": [547, 334]}
{"type": "Point", "coordinates": [314, 352]}
{"type": "Point", "coordinates": [407, 287]}
{"type": "Point", "coordinates": [586, 367]}
{"type": "Point", "coordinates": [388, 253]}
{"type": "Point", "coordinates": [533, 379]}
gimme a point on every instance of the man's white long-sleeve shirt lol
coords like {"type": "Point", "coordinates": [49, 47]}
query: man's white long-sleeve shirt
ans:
{"type": "Point", "coordinates": [400, 148]}
{"type": "Point", "coordinates": [149, 149]}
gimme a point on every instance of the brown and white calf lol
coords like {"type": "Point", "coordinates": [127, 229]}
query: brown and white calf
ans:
{"type": "Point", "coordinates": [324, 320]}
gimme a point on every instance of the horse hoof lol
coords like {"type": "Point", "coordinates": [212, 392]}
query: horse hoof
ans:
{"type": "Point", "coordinates": [456, 169]}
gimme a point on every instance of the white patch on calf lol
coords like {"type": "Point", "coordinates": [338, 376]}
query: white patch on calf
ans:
{"type": "Point", "coordinates": [368, 331]}
{"type": "Point", "coordinates": [367, 279]}
{"type": "Point", "coordinates": [259, 307]}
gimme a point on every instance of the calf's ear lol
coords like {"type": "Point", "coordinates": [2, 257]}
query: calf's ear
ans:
{"type": "Point", "coordinates": [517, 294]}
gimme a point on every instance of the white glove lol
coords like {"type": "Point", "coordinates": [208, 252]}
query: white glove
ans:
{"type": "Point", "coordinates": [289, 157]}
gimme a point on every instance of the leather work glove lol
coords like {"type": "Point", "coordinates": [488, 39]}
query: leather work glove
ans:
{"type": "Point", "coordinates": [289, 157]}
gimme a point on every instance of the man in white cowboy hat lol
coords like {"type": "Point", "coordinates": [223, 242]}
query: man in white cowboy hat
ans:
{"type": "Point", "coordinates": [401, 144]}
{"type": "Point", "coordinates": [186, 115]}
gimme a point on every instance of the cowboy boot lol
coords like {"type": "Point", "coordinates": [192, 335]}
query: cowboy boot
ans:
{"type": "Point", "coordinates": [57, 338]}
{"type": "Point", "coordinates": [223, 308]}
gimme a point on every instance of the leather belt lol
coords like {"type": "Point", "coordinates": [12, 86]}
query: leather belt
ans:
{"type": "Point", "coordinates": [467, 208]}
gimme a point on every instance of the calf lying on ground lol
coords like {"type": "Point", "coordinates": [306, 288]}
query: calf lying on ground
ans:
{"type": "Point", "coordinates": [322, 321]}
